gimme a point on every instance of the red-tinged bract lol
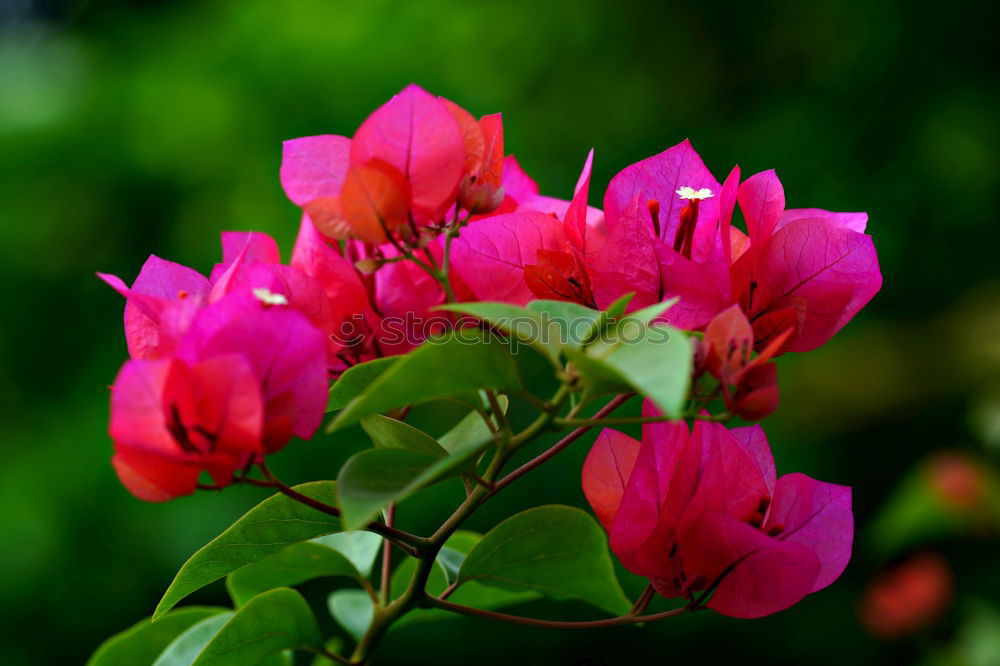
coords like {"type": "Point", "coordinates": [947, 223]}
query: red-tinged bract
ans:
{"type": "Point", "coordinates": [533, 247]}
{"type": "Point", "coordinates": [406, 166]}
{"type": "Point", "coordinates": [171, 421]}
{"type": "Point", "coordinates": [700, 512]}
{"type": "Point", "coordinates": [285, 351]}
{"type": "Point", "coordinates": [670, 234]}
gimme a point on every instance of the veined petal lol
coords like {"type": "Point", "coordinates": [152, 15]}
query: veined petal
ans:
{"type": "Point", "coordinates": [658, 178]}
{"type": "Point", "coordinates": [606, 473]}
{"type": "Point", "coordinates": [314, 167]}
{"type": "Point", "coordinates": [759, 575]}
{"type": "Point", "coordinates": [832, 269]}
{"type": "Point", "coordinates": [415, 133]}
{"type": "Point", "coordinates": [818, 517]}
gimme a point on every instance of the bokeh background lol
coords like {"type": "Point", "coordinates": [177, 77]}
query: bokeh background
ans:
{"type": "Point", "coordinates": [149, 127]}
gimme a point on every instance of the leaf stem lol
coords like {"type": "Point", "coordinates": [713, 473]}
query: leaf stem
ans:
{"type": "Point", "coordinates": [614, 404]}
{"type": "Point", "coordinates": [449, 590]}
{"type": "Point", "coordinates": [643, 600]}
{"type": "Point", "coordinates": [628, 420]}
{"type": "Point", "coordinates": [435, 602]}
{"type": "Point", "coordinates": [390, 518]}
{"type": "Point", "coordinates": [410, 543]}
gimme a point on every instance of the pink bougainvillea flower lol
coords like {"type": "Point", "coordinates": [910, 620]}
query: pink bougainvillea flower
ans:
{"type": "Point", "coordinates": [670, 234]}
{"type": "Point", "coordinates": [171, 421]}
{"type": "Point", "coordinates": [417, 134]}
{"type": "Point", "coordinates": [701, 512]}
{"type": "Point", "coordinates": [159, 306]}
{"type": "Point", "coordinates": [246, 246]}
{"type": "Point", "coordinates": [285, 351]}
{"type": "Point", "coordinates": [481, 188]}
{"type": "Point", "coordinates": [405, 164]}
{"type": "Point", "coordinates": [749, 385]}
{"type": "Point", "coordinates": [314, 166]}
{"type": "Point", "coordinates": [491, 253]}
{"type": "Point", "coordinates": [538, 251]}
{"type": "Point", "coordinates": [166, 296]}
{"type": "Point", "coordinates": [521, 194]}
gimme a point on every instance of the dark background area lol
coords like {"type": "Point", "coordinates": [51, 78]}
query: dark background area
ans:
{"type": "Point", "coordinates": [135, 128]}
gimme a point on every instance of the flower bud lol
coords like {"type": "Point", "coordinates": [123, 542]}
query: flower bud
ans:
{"type": "Point", "coordinates": [367, 266]}
{"type": "Point", "coordinates": [479, 196]}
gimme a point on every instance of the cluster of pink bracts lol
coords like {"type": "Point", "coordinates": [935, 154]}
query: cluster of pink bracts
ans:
{"type": "Point", "coordinates": [228, 368]}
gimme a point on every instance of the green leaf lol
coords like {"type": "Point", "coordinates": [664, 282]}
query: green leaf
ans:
{"type": "Point", "coordinates": [355, 380]}
{"type": "Point", "coordinates": [387, 433]}
{"type": "Point", "coordinates": [142, 642]}
{"type": "Point", "coordinates": [653, 361]}
{"type": "Point", "coordinates": [186, 647]}
{"type": "Point", "coordinates": [359, 547]}
{"type": "Point", "coordinates": [296, 564]}
{"type": "Point", "coordinates": [521, 324]}
{"type": "Point", "coordinates": [353, 610]}
{"type": "Point", "coordinates": [651, 313]}
{"type": "Point", "coordinates": [558, 551]}
{"type": "Point", "coordinates": [472, 428]}
{"type": "Point", "coordinates": [450, 561]}
{"type": "Point", "coordinates": [618, 307]}
{"type": "Point", "coordinates": [268, 624]}
{"type": "Point", "coordinates": [468, 594]}
{"type": "Point", "coordinates": [458, 363]}
{"type": "Point", "coordinates": [268, 528]}
{"type": "Point", "coordinates": [371, 479]}
{"type": "Point", "coordinates": [574, 323]}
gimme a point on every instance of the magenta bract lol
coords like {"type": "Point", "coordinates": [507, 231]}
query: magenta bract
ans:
{"type": "Point", "coordinates": [700, 511]}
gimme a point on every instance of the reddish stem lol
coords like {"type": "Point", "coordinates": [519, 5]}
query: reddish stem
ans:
{"type": "Point", "coordinates": [617, 402]}
{"type": "Point", "coordinates": [556, 624]}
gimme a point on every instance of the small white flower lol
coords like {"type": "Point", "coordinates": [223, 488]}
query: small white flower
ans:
{"type": "Point", "coordinates": [686, 192]}
{"type": "Point", "coordinates": [268, 297]}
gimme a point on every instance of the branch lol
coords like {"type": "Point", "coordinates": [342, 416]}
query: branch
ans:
{"type": "Point", "coordinates": [629, 420]}
{"type": "Point", "coordinates": [410, 543]}
{"type": "Point", "coordinates": [617, 402]}
{"type": "Point", "coordinates": [556, 624]}
{"type": "Point", "coordinates": [449, 590]}
{"type": "Point", "coordinates": [390, 517]}
{"type": "Point", "coordinates": [643, 600]}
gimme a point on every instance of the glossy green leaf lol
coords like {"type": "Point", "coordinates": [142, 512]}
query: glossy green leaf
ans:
{"type": "Point", "coordinates": [609, 315]}
{"type": "Point", "coordinates": [618, 306]}
{"type": "Point", "coordinates": [387, 433]}
{"type": "Point", "coordinates": [444, 573]}
{"type": "Point", "coordinates": [521, 324]}
{"type": "Point", "coordinates": [558, 551]}
{"type": "Point", "coordinates": [355, 380]}
{"type": "Point", "coordinates": [143, 642]}
{"type": "Point", "coordinates": [371, 479]}
{"type": "Point", "coordinates": [650, 313]}
{"type": "Point", "coordinates": [296, 564]}
{"type": "Point", "coordinates": [450, 561]}
{"type": "Point", "coordinates": [429, 373]}
{"type": "Point", "coordinates": [353, 610]}
{"type": "Point", "coordinates": [186, 647]}
{"type": "Point", "coordinates": [268, 528]}
{"type": "Point", "coordinates": [472, 428]}
{"type": "Point", "coordinates": [268, 624]}
{"type": "Point", "coordinates": [573, 323]}
{"type": "Point", "coordinates": [653, 361]}
{"type": "Point", "coordinates": [359, 547]}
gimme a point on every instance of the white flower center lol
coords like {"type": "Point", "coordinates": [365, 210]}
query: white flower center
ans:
{"type": "Point", "coordinates": [268, 297]}
{"type": "Point", "coordinates": [690, 193]}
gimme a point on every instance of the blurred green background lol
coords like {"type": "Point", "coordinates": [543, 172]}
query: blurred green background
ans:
{"type": "Point", "coordinates": [136, 128]}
